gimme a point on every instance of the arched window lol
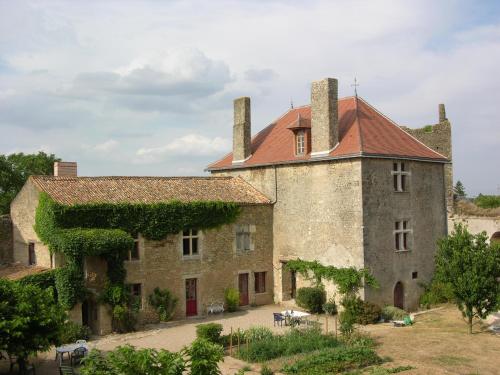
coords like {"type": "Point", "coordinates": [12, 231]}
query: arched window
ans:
{"type": "Point", "coordinates": [495, 237]}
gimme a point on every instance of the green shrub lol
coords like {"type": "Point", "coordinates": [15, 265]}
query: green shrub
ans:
{"type": "Point", "coordinates": [164, 303]}
{"type": "Point", "coordinates": [334, 360]}
{"type": "Point", "coordinates": [350, 314]}
{"type": "Point", "coordinates": [257, 333]}
{"type": "Point", "coordinates": [232, 298]}
{"type": "Point", "coordinates": [311, 298]}
{"type": "Point", "coordinates": [487, 201]}
{"type": "Point", "coordinates": [209, 331]}
{"type": "Point", "coordinates": [71, 331]}
{"type": "Point", "coordinates": [204, 357]}
{"type": "Point", "coordinates": [435, 293]}
{"type": "Point", "coordinates": [393, 313]}
{"type": "Point", "coordinates": [266, 371]}
{"type": "Point", "coordinates": [369, 313]}
{"type": "Point", "coordinates": [330, 307]}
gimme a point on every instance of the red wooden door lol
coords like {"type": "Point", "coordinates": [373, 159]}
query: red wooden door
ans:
{"type": "Point", "coordinates": [243, 288]}
{"type": "Point", "coordinates": [191, 298]}
{"type": "Point", "coordinates": [399, 295]}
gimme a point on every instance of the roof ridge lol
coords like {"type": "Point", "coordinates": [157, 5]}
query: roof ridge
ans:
{"type": "Point", "coordinates": [35, 177]}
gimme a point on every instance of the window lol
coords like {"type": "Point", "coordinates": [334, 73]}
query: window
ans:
{"type": "Point", "coordinates": [401, 235]}
{"type": "Point", "coordinates": [31, 254]}
{"type": "Point", "coordinates": [400, 176]}
{"type": "Point", "coordinates": [260, 282]}
{"type": "Point", "coordinates": [243, 237]}
{"type": "Point", "coordinates": [52, 260]}
{"type": "Point", "coordinates": [136, 293]}
{"type": "Point", "coordinates": [134, 253]}
{"type": "Point", "coordinates": [190, 239]}
{"type": "Point", "coordinates": [300, 143]}
{"type": "Point", "coordinates": [414, 275]}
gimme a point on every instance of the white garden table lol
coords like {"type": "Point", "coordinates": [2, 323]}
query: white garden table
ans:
{"type": "Point", "coordinates": [295, 315]}
{"type": "Point", "coordinates": [68, 348]}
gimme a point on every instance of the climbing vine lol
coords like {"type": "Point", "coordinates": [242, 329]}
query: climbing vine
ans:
{"type": "Point", "coordinates": [108, 230]}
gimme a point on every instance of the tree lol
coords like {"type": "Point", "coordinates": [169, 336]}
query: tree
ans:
{"type": "Point", "coordinates": [459, 190]}
{"type": "Point", "coordinates": [472, 267]}
{"type": "Point", "coordinates": [30, 320]}
{"type": "Point", "coordinates": [15, 170]}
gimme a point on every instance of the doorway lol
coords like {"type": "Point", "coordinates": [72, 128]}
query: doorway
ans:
{"type": "Point", "coordinates": [191, 298]}
{"type": "Point", "coordinates": [399, 296]}
{"type": "Point", "coordinates": [293, 282]}
{"type": "Point", "coordinates": [243, 288]}
{"type": "Point", "coordinates": [89, 314]}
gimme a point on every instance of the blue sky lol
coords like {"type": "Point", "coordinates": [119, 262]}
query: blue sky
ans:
{"type": "Point", "coordinates": [146, 88]}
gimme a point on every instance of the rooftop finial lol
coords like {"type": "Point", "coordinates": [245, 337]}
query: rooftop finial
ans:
{"type": "Point", "coordinates": [291, 103]}
{"type": "Point", "coordinates": [355, 85]}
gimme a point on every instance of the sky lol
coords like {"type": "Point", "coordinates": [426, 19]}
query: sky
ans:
{"type": "Point", "coordinates": [146, 87]}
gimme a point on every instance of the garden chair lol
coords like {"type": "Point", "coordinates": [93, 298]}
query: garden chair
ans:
{"type": "Point", "coordinates": [278, 318]}
{"type": "Point", "coordinates": [78, 354]}
{"type": "Point", "coordinates": [81, 341]}
{"type": "Point", "coordinates": [66, 370]}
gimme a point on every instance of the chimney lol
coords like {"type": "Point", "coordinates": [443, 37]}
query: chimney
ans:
{"type": "Point", "coordinates": [442, 113]}
{"type": "Point", "coordinates": [65, 169]}
{"type": "Point", "coordinates": [324, 116]}
{"type": "Point", "coordinates": [241, 130]}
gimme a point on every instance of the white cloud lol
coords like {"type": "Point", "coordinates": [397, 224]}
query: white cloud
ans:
{"type": "Point", "coordinates": [104, 147]}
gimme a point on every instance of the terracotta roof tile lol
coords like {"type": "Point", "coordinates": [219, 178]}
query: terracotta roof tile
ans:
{"type": "Point", "coordinates": [82, 190]}
{"type": "Point", "coordinates": [362, 131]}
{"type": "Point", "coordinates": [16, 271]}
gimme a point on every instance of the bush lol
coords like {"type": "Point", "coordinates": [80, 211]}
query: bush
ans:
{"type": "Point", "coordinates": [266, 371]}
{"type": "Point", "coordinates": [369, 313]}
{"type": "Point", "coordinates": [232, 297]}
{"type": "Point", "coordinates": [209, 331]}
{"type": "Point", "coordinates": [352, 310]}
{"type": "Point", "coordinates": [435, 293]}
{"type": "Point", "coordinates": [257, 333]}
{"type": "Point", "coordinates": [393, 313]}
{"type": "Point", "coordinates": [164, 303]}
{"type": "Point", "coordinates": [487, 201]}
{"type": "Point", "coordinates": [330, 307]}
{"type": "Point", "coordinates": [71, 331]}
{"type": "Point", "coordinates": [312, 299]}
{"type": "Point", "coordinates": [204, 357]}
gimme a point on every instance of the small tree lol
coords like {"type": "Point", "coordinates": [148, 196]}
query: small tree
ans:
{"type": "Point", "coordinates": [164, 302]}
{"type": "Point", "coordinates": [459, 190]}
{"type": "Point", "coordinates": [30, 320]}
{"type": "Point", "coordinates": [472, 267]}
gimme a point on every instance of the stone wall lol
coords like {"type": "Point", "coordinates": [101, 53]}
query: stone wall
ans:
{"type": "Point", "coordinates": [5, 239]}
{"type": "Point", "coordinates": [476, 224]}
{"type": "Point", "coordinates": [161, 264]}
{"type": "Point", "coordinates": [423, 205]}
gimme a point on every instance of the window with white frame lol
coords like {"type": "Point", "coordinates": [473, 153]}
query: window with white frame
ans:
{"type": "Point", "coordinates": [243, 240]}
{"type": "Point", "coordinates": [402, 234]}
{"type": "Point", "coordinates": [190, 242]}
{"type": "Point", "coordinates": [400, 176]}
{"type": "Point", "coordinates": [300, 142]}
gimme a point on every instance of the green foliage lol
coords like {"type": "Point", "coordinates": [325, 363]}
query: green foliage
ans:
{"type": "Point", "coordinates": [106, 230]}
{"type": "Point", "coordinates": [435, 293]}
{"type": "Point", "coordinates": [257, 333]}
{"type": "Point", "coordinates": [330, 307]}
{"type": "Point", "coordinates": [126, 360]}
{"type": "Point", "coordinates": [164, 303]}
{"type": "Point", "coordinates": [393, 313]}
{"type": "Point", "coordinates": [44, 280]}
{"type": "Point", "coordinates": [119, 298]}
{"type": "Point", "coordinates": [334, 360]}
{"type": "Point", "coordinates": [369, 313]}
{"type": "Point", "coordinates": [459, 190]}
{"type": "Point", "coordinates": [71, 331]}
{"type": "Point", "coordinates": [487, 201]}
{"type": "Point", "coordinates": [30, 319]}
{"type": "Point", "coordinates": [312, 299]}
{"type": "Point", "coordinates": [266, 371]}
{"type": "Point", "coordinates": [350, 314]}
{"type": "Point", "coordinates": [15, 170]}
{"type": "Point", "coordinates": [232, 298]}
{"type": "Point", "coordinates": [204, 357]}
{"type": "Point", "coordinates": [292, 342]}
{"type": "Point", "coordinates": [472, 267]}
{"type": "Point", "coordinates": [428, 128]}
{"type": "Point", "coordinates": [209, 331]}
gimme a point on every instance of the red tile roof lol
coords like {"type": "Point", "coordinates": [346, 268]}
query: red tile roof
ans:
{"type": "Point", "coordinates": [363, 131]}
{"type": "Point", "coordinates": [82, 190]}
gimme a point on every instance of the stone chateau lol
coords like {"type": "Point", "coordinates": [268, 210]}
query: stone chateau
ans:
{"type": "Point", "coordinates": [334, 181]}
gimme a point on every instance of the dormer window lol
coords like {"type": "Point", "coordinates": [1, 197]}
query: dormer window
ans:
{"type": "Point", "coordinates": [300, 142]}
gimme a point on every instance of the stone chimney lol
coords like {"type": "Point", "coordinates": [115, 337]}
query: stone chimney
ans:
{"type": "Point", "coordinates": [241, 130]}
{"type": "Point", "coordinates": [324, 116]}
{"type": "Point", "coordinates": [65, 169]}
{"type": "Point", "coordinates": [442, 113]}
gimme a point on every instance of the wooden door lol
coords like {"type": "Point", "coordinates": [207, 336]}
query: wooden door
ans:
{"type": "Point", "coordinates": [243, 288]}
{"type": "Point", "coordinates": [191, 298]}
{"type": "Point", "coordinates": [399, 295]}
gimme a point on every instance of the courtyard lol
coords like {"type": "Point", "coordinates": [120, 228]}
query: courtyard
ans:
{"type": "Point", "coordinates": [438, 342]}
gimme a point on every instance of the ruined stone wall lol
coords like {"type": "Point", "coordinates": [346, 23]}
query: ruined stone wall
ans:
{"type": "Point", "coordinates": [5, 239]}
{"type": "Point", "coordinates": [476, 224]}
{"type": "Point", "coordinates": [423, 205]}
{"type": "Point", "coordinates": [162, 264]}
{"type": "Point", "coordinates": [317, 214]}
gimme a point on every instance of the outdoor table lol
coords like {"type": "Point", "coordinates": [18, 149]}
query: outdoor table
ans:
{"type": "Point", "coordinates": [295, 315]}
{"type": "Point", "coordinates": [68, 348]}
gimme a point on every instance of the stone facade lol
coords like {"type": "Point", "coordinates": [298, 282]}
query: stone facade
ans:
{"type": "Point", "coordinates": [5, 239]}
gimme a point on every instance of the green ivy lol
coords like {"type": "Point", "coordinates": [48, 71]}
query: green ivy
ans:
{"type": "Point", "coordinates": [108, 230]}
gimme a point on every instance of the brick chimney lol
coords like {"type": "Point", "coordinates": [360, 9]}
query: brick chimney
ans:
{"type": "Point", "coordinates": [241, 130]}
{"type": "Point", "coordinates": [65, 169]}
{"type": "Point", "coordinates": [442, 113]}
{"type": "Point", "coordinates": [324, 116]}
